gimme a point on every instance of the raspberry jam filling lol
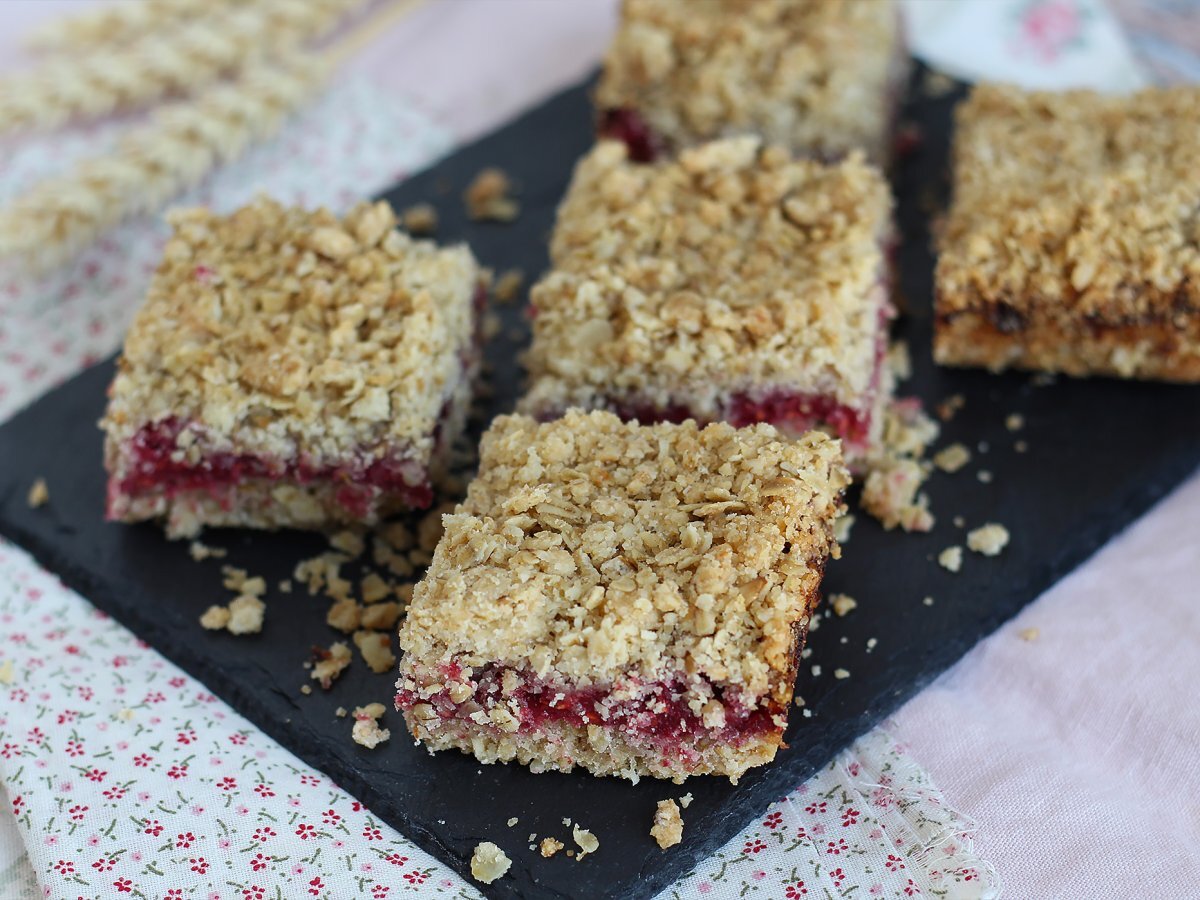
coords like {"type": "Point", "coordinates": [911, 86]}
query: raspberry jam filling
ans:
{"type": "Point", "coordinates": [159, 467]}
{"type": "Point", "coordinates": [628, 126]}
{"type": "Point", "coordinates": [654, 713]}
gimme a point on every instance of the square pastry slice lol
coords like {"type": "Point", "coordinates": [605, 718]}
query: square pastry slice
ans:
{"type": "Point", "coordinates": [1073, 240]}
{"type": "Point", "coordinates": [734, 283]}
{"type": "Point", "coordinates": [291, 369]}
{"type": "Point", "coordinates": [821, 77]}
{"type": "Point", "coordinates": [629, 599]}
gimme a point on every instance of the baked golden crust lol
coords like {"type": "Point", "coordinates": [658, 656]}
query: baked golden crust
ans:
{"type": "Point", "coordinates": [818, 76]}
{"type": "Point", "coordinates": [283, 334]}
{"type": "Point", "coordinates": [733, 268]}
{"type": "Point", "coordinates": [589, 549]}
{"type": "Point", "coordinates": [1073, 240]}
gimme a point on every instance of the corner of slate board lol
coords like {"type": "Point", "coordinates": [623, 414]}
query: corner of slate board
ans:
{"type": "Point", "coordinates": [1100, 452]}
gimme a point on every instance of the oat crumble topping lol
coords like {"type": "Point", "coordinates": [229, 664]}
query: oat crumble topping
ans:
{"type": "Point", "coordinates": [215, 618]}
{"type": "Point", "coordinates": [952, 458]}
{"type": "Point", "coordinates": [488, 197]}
{"type": "Point", "coordinates": [366, 731]}
{"type": "Point", "coordinates": [489, 862]}
{"type": "Point", "coordinates": [508, 286]}
{"type": "Point", "coordinates": [200, 552]}
{"type": "Point", "coordinates": [246, 615]}
{"type": "Point", "coordinates": [667, 829]}
{"type": "Point", "coordinates": [330, 663]}
{"type": "Point", "coordinates": [38, 493]}
{"type": "Point", "coordinates": [984, 475]}
{"type": "Point", "coordinates": [988, 539]}
{"type": "Point", "coordinates": [950, 559]}
{"type": "Point", "coordinates": [550, 846]}
{"type": "Point", "coordinates": [420, 218]}
{"type": "Point", "coordinates": [586, 841]}
{"type": "Point", "coordinates": [732, 269]}
{"type": "Point", "coordinates": [376, 650]}
{"type": "Point", "coordinates": [842, 604]}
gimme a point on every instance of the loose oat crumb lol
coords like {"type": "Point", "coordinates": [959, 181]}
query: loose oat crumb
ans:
{"type": "Point", "coordinates": [928, 601]}
{"type": "Point", "coordinates": [233, 578]}
{"type": "Point", "coordinates": [566, 822]}
{"type": "Point", "coordinates": [420, 218]}
{"type": "Point", "coordinates": [340, 712]}
{"type": "Point", "coordinates": [816, 670]}
{"type": "Point", "coordinates": [306, 689]}
{"type": "Point", "coordinates": [872, 643]}
{"type": "Point", "coordinates": [984, 446]}
{"type": "Point", "coordinates": [487, 197]}
{"type": "Point", "coordinates": [586, 841]}
{"type": "Point", "coordinates": [841, 528]}
{"type": "Point", "coordinates": [988, 539]}
{"type": "Point", "coordinates": [1028, 634]}
{"type": "Point", "coordinates": [806, 712]}
{"type": "Point", "coordinates": [330, 663]}
{"type": "Point", "coordinates": [376, 650]}
{"type": "Point", "coordinates": [984, 475]}
{"type": "Point", "coordinates": [215, 618]}
{"type": "Point", "coordinates": [550, 846]}
{"type": "Point", "coordinates": [936, 84]}
{"type": "Point", "coordinates": [842, 604]}
{"type": "Point", "coordinates": [890, 494]}
{"type": "Point", "coordinates": [349, 542]}
{"type": "Point", "coordinates": [686, 800]}
{"type": "Point", "coordinates": [200, 552]}
{"type": "Point", "coordinates": [513, 821]}
{"type": "Point", "coordinates": [366, 730]}
{"type": "Point", "coordinates": [344, 615]}
{"type": "Point", "coordinates": [1044, 379]}
{"type": "Point", "coordinates": [951, 558]}
{"type": "Point", "coordinates": [798, 700]}
{"type": "Point", "coordinates": [7, 674]}
{"type": "Point", "coordinates": [381, 616]}
{"type": "Point", "coordinates": [508, 286]}
{"type": "Point", "coordinates": [949, 407]}
{"type": "Point", "coordinates": [841, 674]}
{"type": "Point", "coordinates": [1014, 422]}
{"type": "Point", "coordinates": [488, 862]}
{"type": "Point", "coordinates": [1021, 446]}
{"type": "Point", "coordinates": [285, 586]}
{"type": "Point", "coordinates": [38, 493]}
{"type": "Point", "coordinates": [952, 458]}
{"type": "Point", "coordinates": [246, 614]}
{"type": "Point", "coordinates": [959, 522]}
{"type": "Point", "coordinates": [899, 360]}
{"type": "Point", "coordinates": [667, 829]}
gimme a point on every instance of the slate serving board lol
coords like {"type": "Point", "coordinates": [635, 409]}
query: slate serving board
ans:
{"type": "Point", "coordinates": [1099, 453]}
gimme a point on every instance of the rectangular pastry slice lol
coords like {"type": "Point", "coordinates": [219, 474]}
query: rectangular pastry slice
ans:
{"type": "Point", "coordinates": [1073, 240]}
{"type": "Point", "coordinates": [821, 77]}
{"type": "Point", "coordinates": [628, 599]}
{"type": "Point", "coordinates": [290, 369]}
{"type": "Point", "coordinates": [734, 283]}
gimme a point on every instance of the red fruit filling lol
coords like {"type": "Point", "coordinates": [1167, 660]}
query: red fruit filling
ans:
{"type": "Point", "coordinates": [627, 125]}
{"type": "Point", "coordinates": [655, 714]}
{"type": "Point", "coordinates": [158, 468]}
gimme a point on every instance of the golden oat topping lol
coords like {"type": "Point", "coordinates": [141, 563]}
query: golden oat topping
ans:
{"type": "Point", "coordinates": [667, 829]}
{"type": "Point", "coordinates": [816, 75]}
{"type": "Point", "coordinates": [1075, 204]}
{"type": "Point", "coordinates": [731, 268]}
{"type": "Point", "coordinates": [489, 862]}
{"type": "Point", "coordinates": [588, 548]}
{"type": "Point", "coordinates": [283, 332]}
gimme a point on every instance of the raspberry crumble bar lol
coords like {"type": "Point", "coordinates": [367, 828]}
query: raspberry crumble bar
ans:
{"type": "Point", "coordinates": [821, 77]}
{"type": "Point", "coordinates": [291, 369]}
{"type": "Point", "coordinates": [1073, 241]}
{"type": "Point", "coordinates": [631, 599]}
{"type": "Point", "coordinates": [734, 283]}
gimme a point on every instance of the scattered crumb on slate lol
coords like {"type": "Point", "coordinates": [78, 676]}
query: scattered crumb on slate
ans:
{"type": "Point", "coordinates": [488, 197]}
{"type": "Point", "coordinates": [38, 493]}
{"type": "Point", "coordinates": [988, 539]}
{"type": "Point", "coordinates": [667, 829]}
{"type": "Point", "coordinates": [215, 618]}
{"type": "Point", "coordinates": [841, 528]}
{"type": "Point", "coordinates": [306, 689]}
{"type": "Point", "coordinates": [841, 674]}
{"type": "Point", "coordinates": [586, 841]}
{"type": "Point", "coordinates": [842, 604]}
{"type": "Point", "coordinates": [951, 558]}
{"type": "Point", "coordinates": [489, 862]}
{"type": "Point", "coordinates": [890, 494]}
{"type": "Point", "coordinates": [899, 360]}
{"type": "Point", "coordinates": [1028, 634]}
{"type": "Point", "coordinates": [872, 643]}
{"type": "Point", "coordinates": [508, 285]}
{"type": "Point", "coordinates": [420, 218]}
{"type": "Point", "coordinates": [936, 84]}
{"type": "Point", "coordinates": [200, 552]}
{"type": "Point", "coordinates": [1014, 422]}
{"type": "Point", "coordinates": [959, 522]}
{"type": "Point", "coordinates": [949, 407]}
{"type": "Point", "coordinates": [816, 670]}
{"type": "Point", "coordinates": [952, 458]}
{"type": "Point", "coordinates": [984, 475]}
{"type": "Point", "coordinates": [329, 664]}
{"type": "Point", "coordinates": [246, 614]}
{"type": "Point", "coordinates": [928, 601]}
{"type": "Point", "coordinates": [366, 731]}
{"type": "Point", "coordinates": [376, 650]}
{"type": "Point", "coordinates": [550, 846]}
{"type": "Point", "coordinates": [340, 712]}
{"type": "Point", "coordinates": [686, 800]}
{"type": "Point", "coordinates": [344, 615]}
{"type": "Point", "coordinates": [513, 821]}
{"type": "Point", "coordinates": [1021, 446]}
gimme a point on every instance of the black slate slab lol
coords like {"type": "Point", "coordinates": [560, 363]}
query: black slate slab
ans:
{"type": "Point", "coordinates": [1099, 453]}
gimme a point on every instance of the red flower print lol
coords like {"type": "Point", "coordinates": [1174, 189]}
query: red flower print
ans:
{"type": "Point", "coordinates": [304, 831]}
{"type": "Point", "coordinates": [836, 848]}
{"type": "Point", "coordinates": [64, 867]}
{"type": "Point", "coordinates": [185, 840]}
{"type": "Point", "coordinates": [174, 893]}
{"type": "Point", "coordinates": [85, 692]}
{"type": "Point", "coordinates": [396, 859]}
{"type": "Point", "coordinates": [850, 817]}
{"type": "Point", "coordinates": [228, 783]}
{"type": "Point", "coordinates": [104, 864]}
{"type": "Point", "coordinates": [177, 682]}
{"type": "Point", "coordinates": [795, 890]}
{"type": "Point", "coordinates": [379, 891]}
{"type": "Point", "coordinates": [35, 736]}
{"type": "Point", "coordinates": [754, 846]}
{"type": "Point", "coordinates": [74, 748]}
{"type": "Point", "coordinates": [95, 774]}
{"type": "Point", "coordinates": [773, 820]}
{"type": "Point", "coordinates": [155, 697]}
{"type": "Point", "coordinates": [19, 695]}
{"type": "Point", "coordinates": [329, 817]}
{"type": "Point", "coordinates": [199, 864]}
{"type": "Point", "coordinates": [185, 737]}
{"type": "Point", "coordinates": [237, 739]}
{"type": "Point", "coordinates": [261, 834]}
{"type": "Point", "coordinates": [316, 886]}
{"type": "Point", "coordinates": [893, 862]}
{"type": "Point", "coordinates": [853, 769]}
{"type": "Point", "coordinates": [911, 888]}
{"type": "Point", "coordinates": [116, 792]}
{"type": "Point", "coordinates": [263, 791]}
{"type": "Point", "coordinates": [372, 834]}
{"type": "Point", "coordinates": [254, 892]}
{"type": "Point", "coordinates": [838, 876]}
{"type": "Point", "coordinates": [177, 772]}
{"type": "Point", "coordinates": [8, 751]}
{"type": "Point", "coordinates": [123, 886]}
{"type": "Point", "coordinates": [415, 877]}
{"type": "Point", "coordinates": [813, 808]}
{"type": "Point", "coordinates": [969, 874]}
{"type": "Point", "coordinates": [258, 862]}
{"type": "Point", "coordinates": [154, 827]}
{"type": "Point", "coordinates": [313, 781]}
{"type": "Point", "coordinates": [142, 760]}
{"type": "Point", "coordinates": [120, 661]}
{"type": "Point", "coordinates": [73, 650]}
{"type": "Point", "coordinates": [67, 716]}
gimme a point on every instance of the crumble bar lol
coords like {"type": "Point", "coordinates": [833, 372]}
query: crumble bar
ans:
{"type": "Point", "coordinates": [821, 77]}
{"type": "Point", "coordinates": [625, 598]}
{"type": "Point", "coordinates": [1073, 241]}
{"type": "Point", "coordinates": [733, 284]}
{"type": "Point", "coordinates": [291, 369]}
